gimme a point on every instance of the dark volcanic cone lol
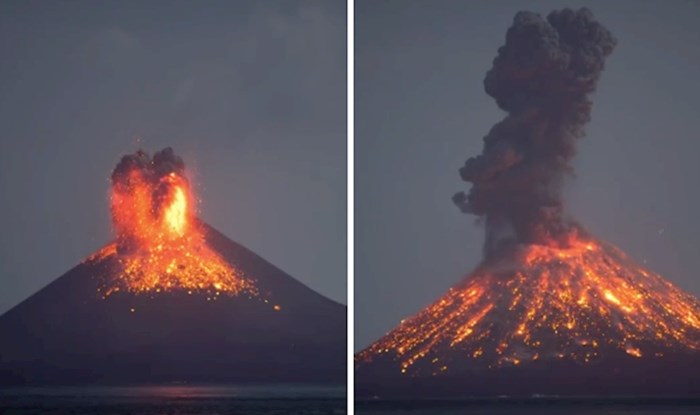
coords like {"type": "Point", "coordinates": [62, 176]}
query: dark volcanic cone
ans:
{"type": "Point", "coordinates": [68, 333]}
{"type": "Point", "coordinates": [585, 320]}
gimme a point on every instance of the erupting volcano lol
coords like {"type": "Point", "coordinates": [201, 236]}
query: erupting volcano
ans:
{"type": "Point", "coordinates": [170, 299]}
{"type": "Point", "coordinates": [159, 245]}
{"type": "Point", "coordinates": [551, 309]}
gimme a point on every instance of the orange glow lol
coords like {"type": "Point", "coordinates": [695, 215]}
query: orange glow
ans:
{"type": "Point", "coordinates": [611, 297]}
{"type": "Point", "coordinates": [633, 351]}
{"type": "Point", "coordinates": [176, 212]}
{"type": "Point", "coordinates": [160, 244]}
{"type": "Point", "coordinates": [574, 303]}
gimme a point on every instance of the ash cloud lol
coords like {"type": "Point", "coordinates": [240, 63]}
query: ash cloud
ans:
{"type": "Point", "coordinates": [542, 77]}
{"type": "Point", "coordinates": [153, 169]}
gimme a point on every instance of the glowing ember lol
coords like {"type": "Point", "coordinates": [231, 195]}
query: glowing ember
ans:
{"type": "Point", "coordinates": [547, 303]}
{"type": "Point", "coordinates": [160, 245]}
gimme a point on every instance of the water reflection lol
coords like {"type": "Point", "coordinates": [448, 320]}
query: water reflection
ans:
{"type": "Point", "coordinates": [184, 391]}
{"type": "Point", "coordinates": [180, 399]}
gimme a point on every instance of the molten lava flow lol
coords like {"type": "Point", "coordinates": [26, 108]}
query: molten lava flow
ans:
{"type": "Point", "coordinates": [546, 303]}
{"type": "Point", "coordinates": [160, 245]}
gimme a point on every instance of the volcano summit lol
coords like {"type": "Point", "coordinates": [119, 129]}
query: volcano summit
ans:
{"type": "Point", "coordinates": [551, 309]}
{"type": "Point", "coordinates": [171, 299]}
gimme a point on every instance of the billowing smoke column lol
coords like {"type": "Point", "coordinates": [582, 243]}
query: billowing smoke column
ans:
{"type": "Point", "coordinates": [162, 164]}
{"type": "Point", "coordinates": [150, 197]}
{"type": "Point", "coordinates": [542, 77]}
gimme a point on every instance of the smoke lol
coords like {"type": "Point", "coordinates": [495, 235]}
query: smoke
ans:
{"type": "Point", "coordinates": [542, 78]}
{"type": "Point", "coordinates": [163, 163]}
{"type": "Point", "coordinates": [141, 186]}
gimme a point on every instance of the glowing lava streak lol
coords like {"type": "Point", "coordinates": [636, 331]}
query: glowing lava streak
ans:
{"type": "Point", "coordinates": [160, 244]}
{"type": "Point", "coordinates": [176, 212]}
{"type": "Point", "coordinates": [545, 303]}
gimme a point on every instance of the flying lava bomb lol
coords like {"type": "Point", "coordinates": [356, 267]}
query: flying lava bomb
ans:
{"type": "Point", "coordinates": [170, 299]}
{"type": "Point", "coordinates": [551, 309]}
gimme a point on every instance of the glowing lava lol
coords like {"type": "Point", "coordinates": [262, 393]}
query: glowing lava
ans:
{"type": "Point", "coordinates": [176, 212]}
{"type": "Point", "coordinates": [160, 244]}
{"type": "Point", "coordinates": [544, 303]}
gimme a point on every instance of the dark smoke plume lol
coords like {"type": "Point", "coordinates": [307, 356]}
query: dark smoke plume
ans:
{"type": "Point", "coordinates": [163, 163]}
{"type": "Point", "coordinates": [542, 77]}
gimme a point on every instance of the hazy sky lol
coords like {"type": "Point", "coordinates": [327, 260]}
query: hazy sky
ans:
{"type": "Point", "coordinates": [250, 94]}
{"type": "Point", "coordinates": [421, 111]}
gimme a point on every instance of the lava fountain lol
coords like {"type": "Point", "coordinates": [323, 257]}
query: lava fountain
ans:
{"type": "Point", "coordinates": [160, 245]}
{"type": "Point", "coordinates": [549, 301]}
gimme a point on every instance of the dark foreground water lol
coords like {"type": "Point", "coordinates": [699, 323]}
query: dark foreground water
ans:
{"type": "Point", "coordinates": [532, 406]}
{"type": "Point", "coordinates": [174, 400]}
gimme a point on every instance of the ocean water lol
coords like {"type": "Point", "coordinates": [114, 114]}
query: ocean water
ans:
{"type": "Point", "coordinates": [532, 406]}
{"type": "Point", "coordinates": [174, 400]}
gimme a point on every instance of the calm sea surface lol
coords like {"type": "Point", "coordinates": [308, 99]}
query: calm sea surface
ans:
{"type": "Point", "coordinates": [533, 406]}
{"type": "Point", "coordinates": [174, 400]}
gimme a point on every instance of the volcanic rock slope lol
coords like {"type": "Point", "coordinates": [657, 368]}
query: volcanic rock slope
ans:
{"type": "Point", "coordinates": [70, 332]}
{"type": "Point", "coordinates": [585, 320]}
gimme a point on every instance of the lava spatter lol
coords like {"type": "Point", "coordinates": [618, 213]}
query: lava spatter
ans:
{"type": "Point", "coordinates": [160, 245]}
{"type": "Point", "coordinates": [543, 303]}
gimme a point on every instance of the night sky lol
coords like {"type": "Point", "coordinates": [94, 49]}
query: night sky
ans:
{"type": "Point", "coordinates": [421, 111]}
{"type": "Point", "coordinates": [252, 95]}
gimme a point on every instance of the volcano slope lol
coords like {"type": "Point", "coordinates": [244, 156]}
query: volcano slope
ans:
{"type": "Point", "coordinates": [69, 332]}
{"type": "Point", "coordinates": [585, 320]}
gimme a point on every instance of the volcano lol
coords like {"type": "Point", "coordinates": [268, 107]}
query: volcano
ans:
{"type": "Point", "coordinates": [540, 320]}
{"type": "Point", "coordinates": [550, 310]}
{"type": "Point", "coordinates": [171, 300]}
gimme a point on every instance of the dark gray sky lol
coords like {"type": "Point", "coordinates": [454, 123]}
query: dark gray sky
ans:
{"type": "Point", "coordinates": [250, 94]}
{"type": "Point", "coordinates": [421, 111]}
